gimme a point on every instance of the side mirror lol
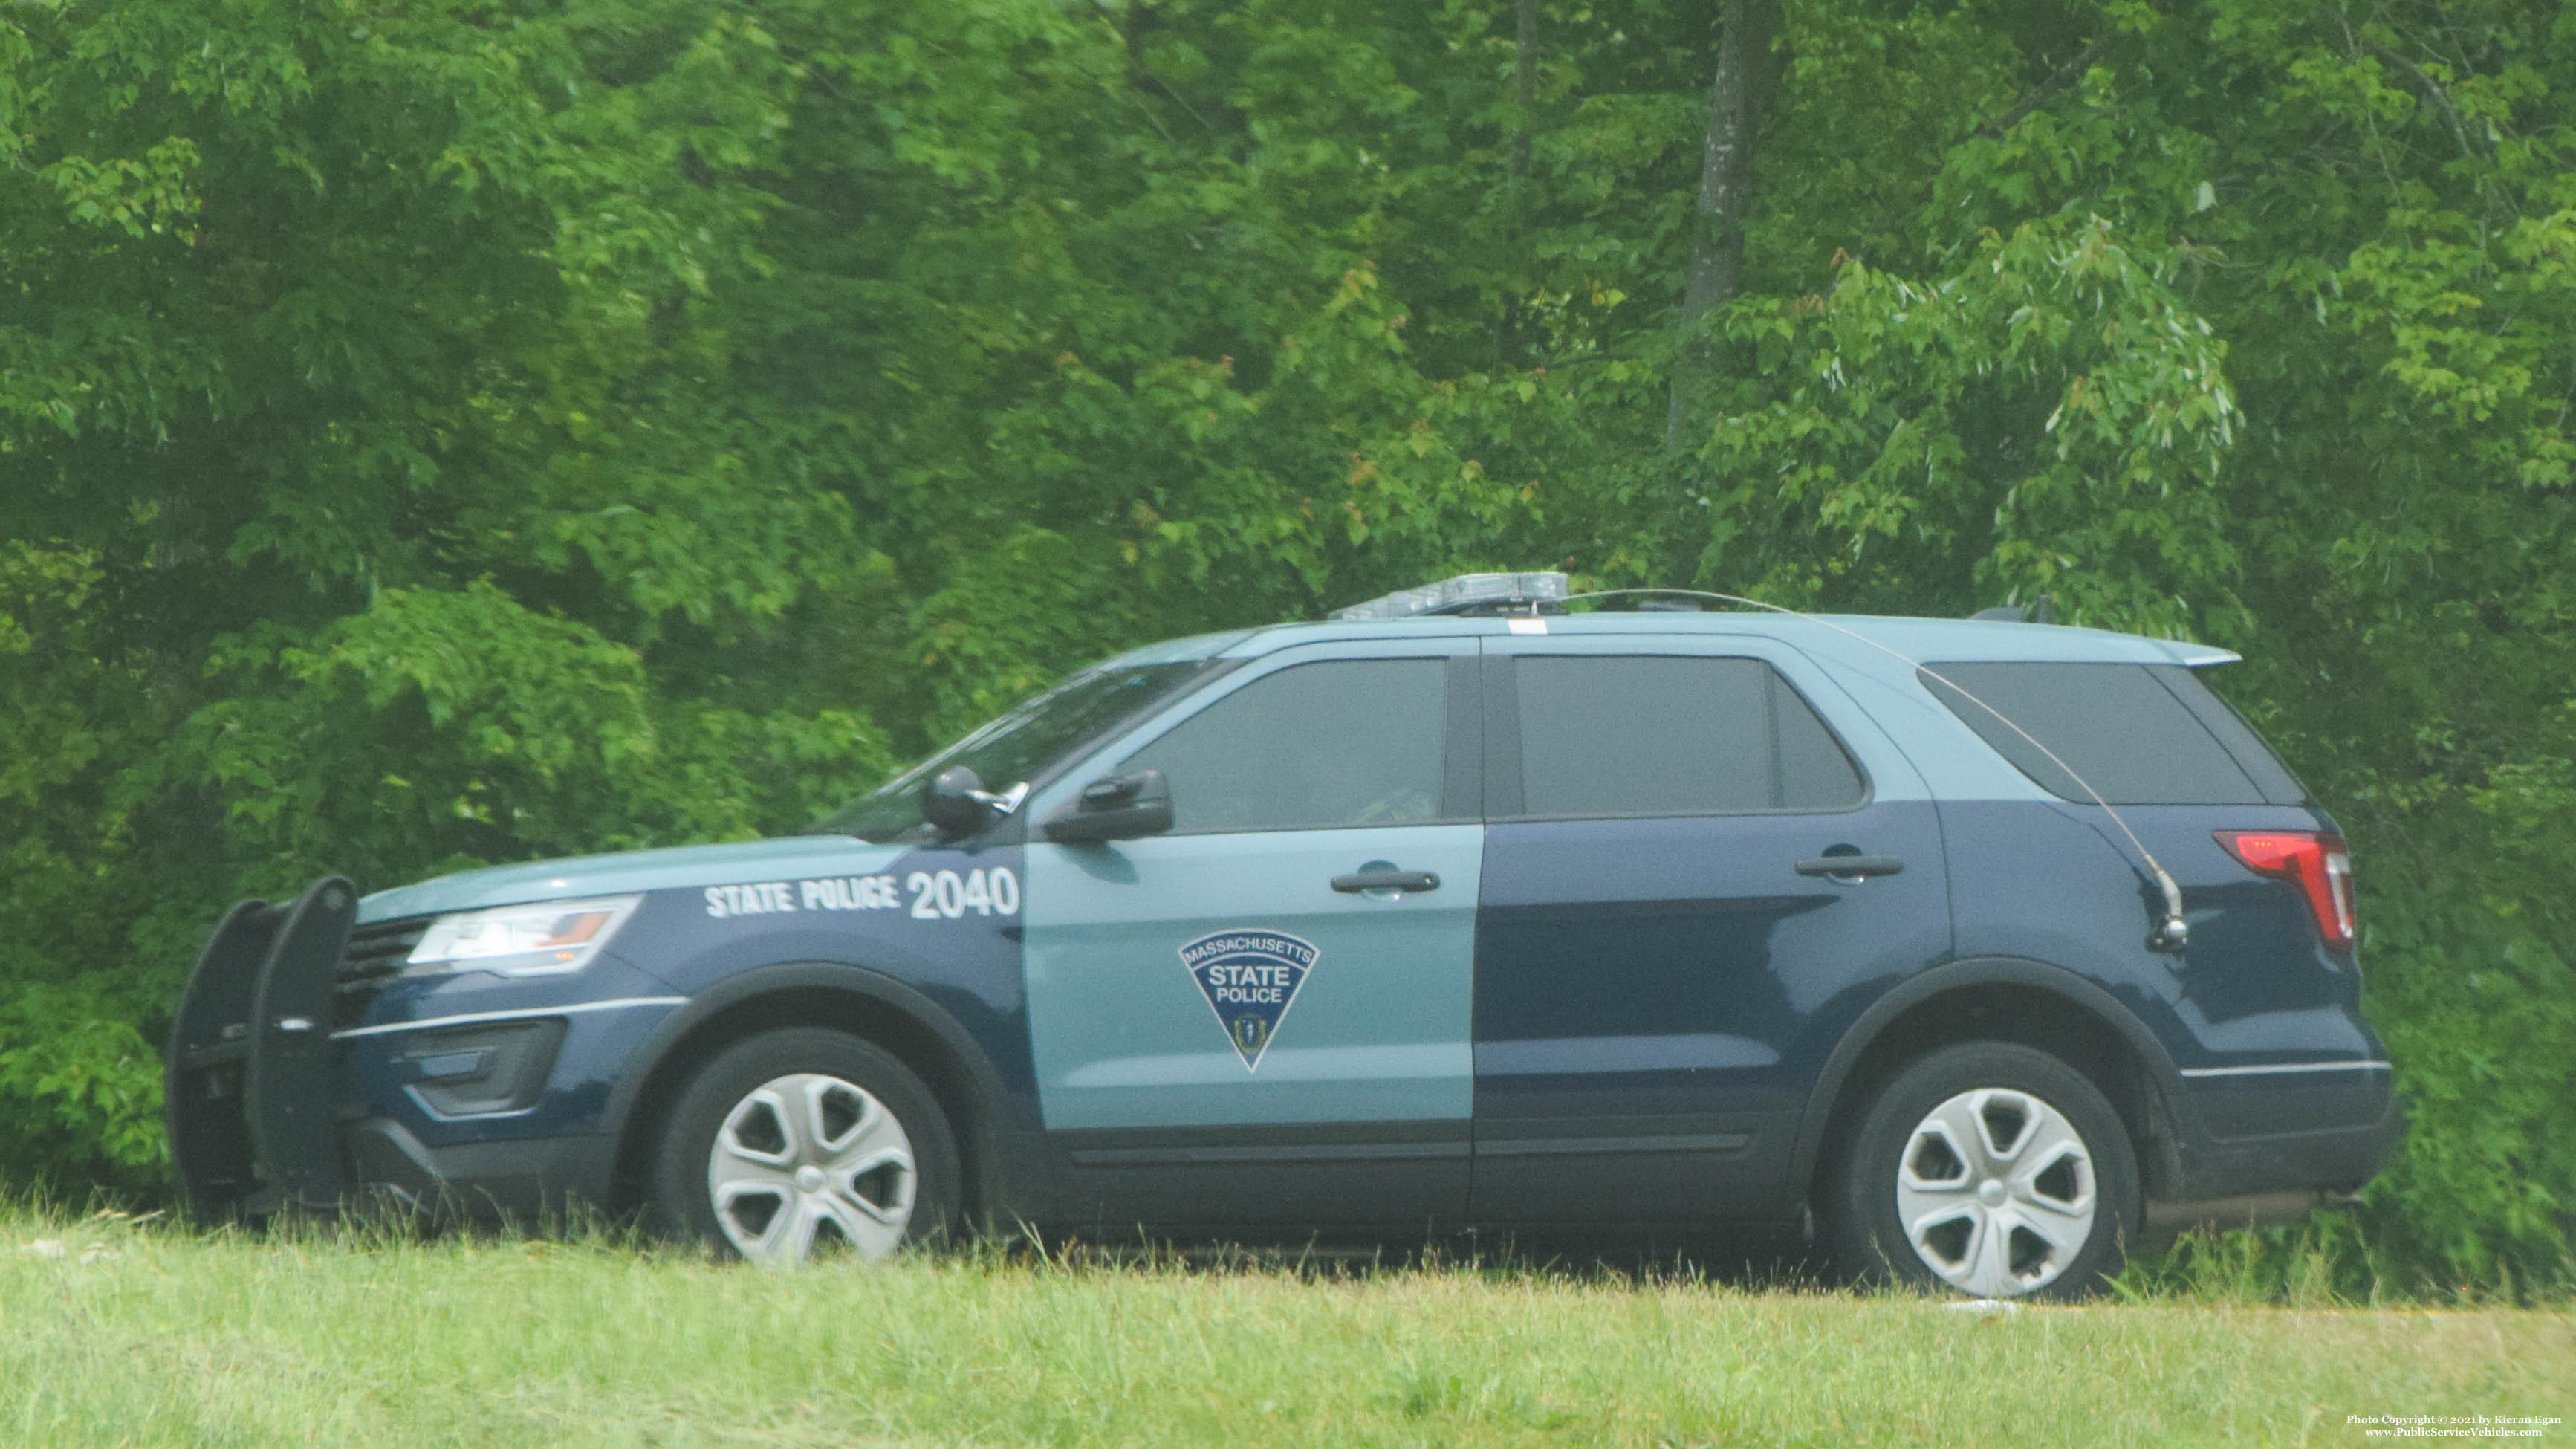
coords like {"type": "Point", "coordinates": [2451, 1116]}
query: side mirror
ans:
{"type": "Point", "coordinates": [955, 802]}
{"type": "Point", "coordinates": [1119, 809]}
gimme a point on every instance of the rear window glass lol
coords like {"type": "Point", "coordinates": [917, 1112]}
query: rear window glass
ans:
{"type": "Point", "coordinates": [1648, 735]}
{"type": "Point", "coordinates": [2140, 734]}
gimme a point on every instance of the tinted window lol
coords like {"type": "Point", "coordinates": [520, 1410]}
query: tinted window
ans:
{"type": "Point", "coordinates": [2263, 767]}
{"type": "Point", "coordinates": [2133, 734]}
{"type": "Point", "coordinates": [1646, 735]}
{"type": "Point", "coordinates": [1353, 742]}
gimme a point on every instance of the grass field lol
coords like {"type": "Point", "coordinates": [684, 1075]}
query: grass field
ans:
{"type": "Point", "coordinates": [113, 1333]}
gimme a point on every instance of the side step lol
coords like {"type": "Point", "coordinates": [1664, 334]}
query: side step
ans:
{"type": "Point", "coordinates": [250, 1082]}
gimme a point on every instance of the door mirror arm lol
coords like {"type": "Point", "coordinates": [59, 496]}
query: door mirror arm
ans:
{"type": "Point", "coordinates": [1122, 808]}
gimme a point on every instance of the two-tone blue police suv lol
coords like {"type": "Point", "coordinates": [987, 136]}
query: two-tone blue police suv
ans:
{"type": "Point", "coordinates": [1985, 942]}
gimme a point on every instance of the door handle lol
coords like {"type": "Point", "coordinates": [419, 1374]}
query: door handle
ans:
{"type": "Point", "coordinates": [1852, 867]}
{"type": "Point", "coordinates": [1386, 880]}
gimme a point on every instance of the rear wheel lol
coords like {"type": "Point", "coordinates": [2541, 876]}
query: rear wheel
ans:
{"type": "Point", "coordinates": [804, 1142]}
{"type": "Point", "coordinates": [1991, 1169]}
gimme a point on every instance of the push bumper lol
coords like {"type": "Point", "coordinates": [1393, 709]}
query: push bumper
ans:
{"type": "Point", "coordinates": [249, 1079]}
{"type": "Point", "coordinates": [270, 1110]}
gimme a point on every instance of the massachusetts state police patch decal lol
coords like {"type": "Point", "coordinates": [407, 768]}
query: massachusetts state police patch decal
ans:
{"type": "Point", "coordinates": [1250, 979]}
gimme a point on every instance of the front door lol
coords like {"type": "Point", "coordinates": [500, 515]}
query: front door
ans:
{"type": "Point", "coordinates": [1228, 1025]}
{"type": "Point", "coordinates": [1660, 940]}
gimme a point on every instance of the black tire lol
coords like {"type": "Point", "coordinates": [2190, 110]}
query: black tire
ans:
{"type": "Point", "coordinates": [680, 1201]}
{"type": "Point", "coordinates": [2016, 1221]}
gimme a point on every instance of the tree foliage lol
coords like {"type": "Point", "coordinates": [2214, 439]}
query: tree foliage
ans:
{"type": "Point", "coordinates": [456, 431]}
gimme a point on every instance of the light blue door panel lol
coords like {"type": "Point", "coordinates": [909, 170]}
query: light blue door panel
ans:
{"type": "Point", "coordinates": [1378, 1029]}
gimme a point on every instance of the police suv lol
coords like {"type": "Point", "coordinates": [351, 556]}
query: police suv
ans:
{"type": "Point", "coordinates": [1989, 944]}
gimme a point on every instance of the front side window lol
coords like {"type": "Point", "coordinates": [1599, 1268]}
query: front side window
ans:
{"type": "Point", "coordinates": [1314, 746]}
{"type": "Point", "coordinates": [1668, 735]}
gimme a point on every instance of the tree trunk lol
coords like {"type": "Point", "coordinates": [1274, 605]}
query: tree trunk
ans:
{"type": "Point", "coordinates": [1725, 191]}
{"type": "Point", "coordinates": [1524, 79]}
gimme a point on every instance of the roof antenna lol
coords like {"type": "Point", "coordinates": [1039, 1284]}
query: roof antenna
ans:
{"type": "Point", "coordinates": [2170, 933]}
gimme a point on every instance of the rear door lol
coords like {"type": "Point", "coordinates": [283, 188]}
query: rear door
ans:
{"type": "Point", "coordinates": [1661, 958]}
{"type": "Point", "coordinates": [1224, 1029]}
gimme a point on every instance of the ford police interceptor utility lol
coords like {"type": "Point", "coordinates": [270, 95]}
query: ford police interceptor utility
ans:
{"type": "Point", "coordinates": [1988, 943]}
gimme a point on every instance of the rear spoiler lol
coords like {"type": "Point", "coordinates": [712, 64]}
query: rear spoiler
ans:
{"type": "Point", "coordinates": [2198, 656]}
{"type": "Point", "coordinates": [2182, 652]}
{"type": "Point", "coordinates": [249, 1082]}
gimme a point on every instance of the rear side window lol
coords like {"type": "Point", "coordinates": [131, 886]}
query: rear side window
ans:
{"type": "Point", "coordinates": [1350, 742]}
{"type": "Point", "coordinates": [2140, 734]}
{"type": "Point", "coordinates": [1664, 735]}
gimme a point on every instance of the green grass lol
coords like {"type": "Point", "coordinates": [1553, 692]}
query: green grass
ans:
{"type": "Point", "coordinates": [152, 1335]}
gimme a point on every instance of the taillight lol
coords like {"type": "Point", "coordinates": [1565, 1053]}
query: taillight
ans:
{"type": "Point", "coordinates": [2313, 861]}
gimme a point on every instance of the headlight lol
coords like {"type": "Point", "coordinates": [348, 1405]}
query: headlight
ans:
{"type": "Point", "coordinates": [530, 940]}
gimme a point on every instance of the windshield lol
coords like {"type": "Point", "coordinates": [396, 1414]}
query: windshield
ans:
{"type": "Point", "coordinates": [1019, 746]}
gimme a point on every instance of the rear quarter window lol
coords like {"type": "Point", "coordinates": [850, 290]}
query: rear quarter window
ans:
{"type": "Point", "coordinates": [2140, 734]}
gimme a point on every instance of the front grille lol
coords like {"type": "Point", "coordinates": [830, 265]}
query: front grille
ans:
{"type": "Point", "coordinates": [381, 949]}
{"type": "Point", "coordinates": [375, 952]}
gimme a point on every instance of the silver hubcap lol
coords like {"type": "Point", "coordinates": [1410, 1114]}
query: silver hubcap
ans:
{"type": "Point", "coordinates": [1996, 1192]}
{"type": "Point", "coordinates": [805, 1160]}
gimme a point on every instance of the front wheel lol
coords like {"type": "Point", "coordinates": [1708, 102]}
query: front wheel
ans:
{"type": "Point", "coordinates": [799, 1142]}
{"type": "Point", "coordinates": [1989, 1168]}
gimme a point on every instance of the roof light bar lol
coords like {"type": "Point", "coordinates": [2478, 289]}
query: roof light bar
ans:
{"type": "Point", "coordinates": [1467, 593]}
